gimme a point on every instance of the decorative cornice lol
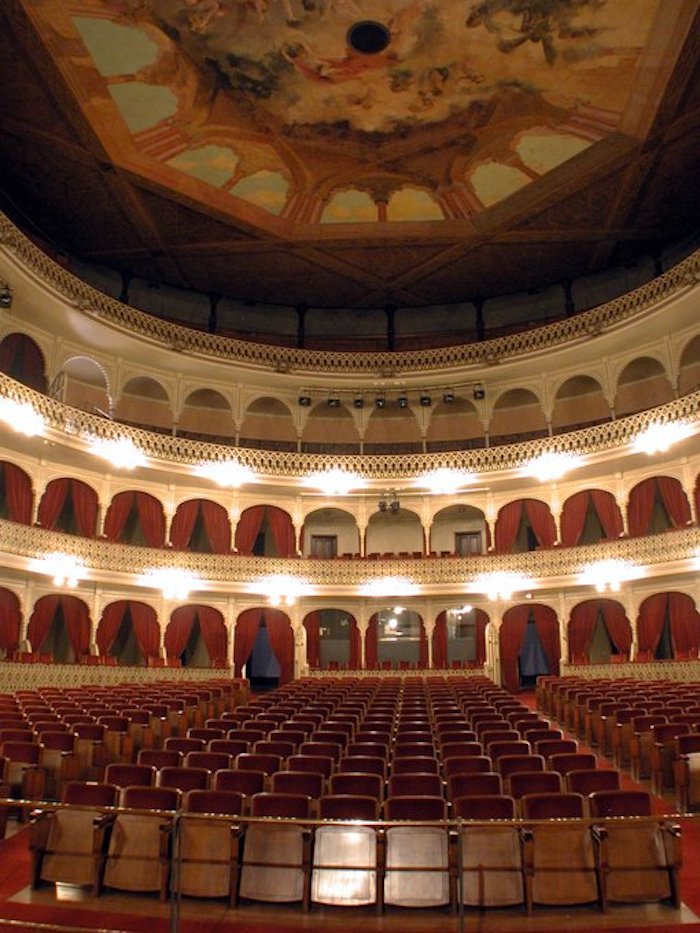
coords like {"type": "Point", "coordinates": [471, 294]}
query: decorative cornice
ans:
{"type": "Point", "coordinates": [598, 439]}
{"type": "Point", "coordinates": [284, 359]}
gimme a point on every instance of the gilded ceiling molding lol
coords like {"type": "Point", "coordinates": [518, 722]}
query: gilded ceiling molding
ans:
{"type": "Point", "coordinates": [584, 325]}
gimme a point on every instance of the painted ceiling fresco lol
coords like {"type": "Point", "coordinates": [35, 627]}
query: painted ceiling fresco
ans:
{"type": "Point", "coordinates": [350, 111]}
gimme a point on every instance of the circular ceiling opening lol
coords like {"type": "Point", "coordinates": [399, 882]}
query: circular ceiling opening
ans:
{"type": "Point", "coordinates": [368, 37]}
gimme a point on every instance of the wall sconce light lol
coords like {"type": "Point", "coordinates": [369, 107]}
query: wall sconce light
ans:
{"type": "Point", "coordinates": [402, 401]}
{"type": "Point", "coordinates": [479, 393]}
{"type": "Point", "coordinates": [426, 401]}
{"type": "Point", "coordinates": [358, 402]}
{"type": "Point", "coordinates": [389, 501]}
{"type": "Point", "coordinates": [5, 295]}
{"type": "Point", "coordinates": [448, 396]}
{"type": "Point", "coordinates": [305, 400]}
{"type": "Point", "coordinates": [334, 402]}
{"type": "Point", "coordinates": [380, 401]}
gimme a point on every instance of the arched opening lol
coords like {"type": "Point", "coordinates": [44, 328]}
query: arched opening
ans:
{"type": "Point", "coordinates": [332, 640]}
{"type": "Point", "coordinates": [590, 516]}
{"type": "Point", "coordinates": [265, 531]}
{"type": "Point", "coordinates": [392, 430]}
{"type": "Point", "coordinates": [129, 632]}
{"type": "Point", "coordinates": [69, 505]}
{"type": "Point", "coordinates": [135, 517]}
{"type": "Point", "coordinates": [529, 645]}
{"type": "Point", "coordinates": [579, 403]}
{"type": "Point", "coordinates": [330, 429]}
{"type": "Point", "coordinates": [201, 526]}
{"type": "Point", "coordinates": [144, 403]}
{"type": "Point", "coordinates": [59, 629]}
{"type": "Point", "coordinates": [599, 631]}
{"type": "Point", "coordinates": [689, 367]}
{"type": "Point", "coordinates": [10, 622]}
{"type": "Point", "coordinates": [196, 637]}
{"type": "Point", "coordinates": [459, 638]}
{"type": "Point", "coordinates": [206, 415]}
{"type": "Point", "coordinates": [83, 383]}
{"type": "Point", "coordinates": [668, 626]}
{"type": "Point", "coordinates": [642, 384]}
{"type": "Point", "coordinates": [267, 658]}
{"type": "Point", "coordinates": [268, 424]}
{"type": "Point", "coordinates": [394, 532]}
{"type": "Point", "coordinates": [524, 525]}
{"type": "Point", "coordinates": [329, 533]}
{"type": "Point", "coordinates": [517, 416]}
{"type": "Point", "coordinates": [22, 360]}
{"type": "Point", "coordinates": [459, 529]}
{"type": "Point", "coordinates": [657, 504]}
{"type": "Point", "coordinates": [396, 639]}
{"type": "Point", "coordinates": [454, 425]}
{"type": "Point", "coordinates": [16, 496]}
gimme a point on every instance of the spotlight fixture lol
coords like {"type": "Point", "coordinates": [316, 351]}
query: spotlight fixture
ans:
{"type": "Point", "coordinates": [394, 506]}
{"type": "Point", "coordinates": [426, 401]}
{"type": "Point", "coordinates": [358, 402]}
{"type": "Point", "coordinates": [380, 401]}
{"type": "Point", "coordinates": [305, 400]}
{"type": "Point", "coordinates": [5, 295]}
{"type": "Point", "coordinates": [479, 393]}
{"type": "Point", "coordinates": [448, 396]}
{"type": "Point", "coordinates": [333, 402]}
{"type": "Point", "coordinates": [389, 501]}
{"type": "Point", "coordinates": [383, 505]}
{"type": "Point", "coordinates": [402, 401]}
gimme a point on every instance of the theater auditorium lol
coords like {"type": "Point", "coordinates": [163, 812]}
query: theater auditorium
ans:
{"type": "Point", "coordinates": [349, 465]}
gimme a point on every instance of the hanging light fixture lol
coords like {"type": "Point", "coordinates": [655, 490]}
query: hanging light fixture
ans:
{"type": "Point", "coordinates": [120, 452]}
{"type": "Point", "coordinates": [173, 582]}
{"type": "Point", "coordinates": [64, 569]}
{"type": "Point", "coordinates": [551, 465]}
{"type": "Point", "coordinates": [21, 417]}
{"type": "Point", "coordinates": [334, 482]}
{"type": "Point", "coordinates": [657, 438]}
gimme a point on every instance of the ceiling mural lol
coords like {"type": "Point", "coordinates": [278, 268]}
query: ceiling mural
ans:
{"type": "Point", "coordinates": [519, 87]}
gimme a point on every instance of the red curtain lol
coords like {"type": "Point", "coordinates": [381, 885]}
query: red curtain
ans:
{"type": "Point", "coordinates": [581, 628]}
{"type": "Point", "coordinates": [573, 518]}
{"type": "Point", "coordinates": [244, 637]}
{"type": "Point", "coordinates": [617, 624]}
{"type": "Point", "coordinates": [183, 523]}
{"type": "Point", "coordinates": [510, 639]}
{"type": "Point", "coordinates": [85, 508]}
{"type": "Point", "coordinates": [312, 624]}
{"type": "Point", "coordinates": [440, 641]}
{"type": "Point", "coordinates": [355, 656]}
{"type": "Point", "coordinates": [52, 502]}
{"type": "Point", "coordinates": [152, 519]}
{"type": "Point", "coordinates": [608, 512]}
{"type": "Point", "coordinates": [214, 633]}
{"type": "Point", "coordinates": [178, 630]}
{"type": "Point", "coordinates": [422, 646]}
{"type": "Point", "coordinates": [542, 522]}
{"type": "Point", "coordinates": [117, 514]}
{"type": "Point", "coordinates": [217, 526]}
{"type": "Point", "coordinates": [547, 626]}
{"type": "Point", "coordinates": [282, 529]}
{"type": "Point", "coordinates": [248, 528]}
{"type": "Point", "coordinates": [109, 624]}
{"type": "Point", "coordinates": [10, 621]}
{"type": "Point", "coordinates": [281, 635]}
{"type": "Point", "coordinates": [640, 506]}
{"type": "Point", "coordinates": [146, 629]}
{"type": "Point", "coordinates": [21, 358]}
{"type": "Point", "coordinates": [372, 644]}
{"type": "Point", "coordinates": [40, 621]}
{"type": "Point", "coordinates": [482, 620]}
{"type": "Point", "coordinates": [77, 621]}
{"type": "Point", "coordinates": [507, 525]}
{"type": "Point", "coordinates": [674, 499]}
{"type": "Point", "coordinates": [650, 621]}
{"type": "Point", "coordinates": [18, 493]}
{"type": "Point", "coordinates": [685, 625]}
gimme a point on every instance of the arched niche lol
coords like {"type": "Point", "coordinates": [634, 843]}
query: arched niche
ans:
{"type": "Point", "coordinates": [668, 626]}
{"type": "Point", "coordinates": [206, 414]}
{"type": "Point", "coordinates": [69, 505]}
{"type": "Point", "coordinates": [579, 402]}
{"type": "Point", "coordinates": [263, 646]}
{"type": "Point", "coordinates": [642, 384]}
{"type": "Point", "coordinates": [589, 516]}
{"type": "Point", "coordinates": [689, 367]}
{"type": "Point", "coordinates": [59, 628]}
{"type": "Point", "coordinates": [392, 430]}
{"type": "Point", "coordinates": [265, 531]}
{"type": "Point", "coordinates": [22, 360]}
{"type": "Point", "coordinates": [598, 630]}
{"type": "Point", "coordinates": [202, 526]}
{"type": "Point", "coordinates": [135, 517]}
{"type": "Point", "coordinates": [459, 638]}
{"type": "Point", "coordinates": [330, 429]}
{"type": "Point", "coordinates": [459, 529]}
{"type": "Point", "coordinates": [396, 639]}
{"type": "Point", "coordinates": [10, 623]}
{"type": "Point", "coordinates": [196, 636]}
{"type": "Point", "coordinates": [330, 532]}
{"type": "Point", "coordinates": [129, 631]}
{"type": "Point", "coordinates": [85, 385]}
{"type": "Point", "coordinates": [657, 504]}
{"type": "Point", "coordinates": [145, 403]}
{"type": "Point", "coordinates": [529, 645]}
{"type": "Point", "coordinates": [332, 640]}
{"type": "Point", "coordinates": [394, 533]}
{"type": "Point", "coordinates": [454, 426]}
{"type": "Point", "coordinates": [524, 525]}
{"type": "Point", "coordinates": [517, 415]}
{"type": "Point", "coordinates": [268, 423]}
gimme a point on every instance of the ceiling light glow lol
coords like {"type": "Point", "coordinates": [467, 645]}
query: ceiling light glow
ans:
{"type": "Point", "coordinates": [173, 582]}
{"type": "Point", "coordinates": [21, 417]}
{"type": "Point", "coordinates": [551, 465]}
{"type": "Point", "coordinates": [444, 482]}
{"type": "Point", "coordinates": [120, 452]}
{"type": "Point", "coordinates": [657, 438]}
{"type": "Point", "coordinates": [334, 482]}
{"type": "Point", "coordinates": [500, 584]}
{"type": "Point", "coordinates": [227, 473]}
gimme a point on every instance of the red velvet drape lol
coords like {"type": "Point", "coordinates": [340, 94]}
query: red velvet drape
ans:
{"type": "Point", "coordinates": [18, 493]}
{"type": "Point", "coordinates": [21, 358]}
{"type": "Point", "coordinates": [541, 521]}
{"type": "Point", "coordinates": [573, 518]}
{"type": "Point", "coordinates": [183, 523]}
{"type": "Point", "coordinates": [422, 646]}
{"type": "Point", "coordinates": [440, 641]}
{"type": "Point", "coordinates": [146, 629]}
{"type": "Point", "coordinates": [178, 630]}
{"type": "Point", "coordinates": [217, 526]}
{"type": "Point", "coordinates": [510, 638]}
{"type": "Point", "coordinates": [10, 621]}
{"type": "Point", "coordinates": [108, 627]}
{"type": "Point", "coordinates": [608, 512]}
{"type": "Point", "coordinates": [85, 508]}
{"type": "Point", "coordinates": [617, 624]}
{"type": "Point", "coordinates": [640, 506]}
{"type": "Point", "coordinates": [281, 635]}
{"type": "Point", "coordinates": [244, 637]}
{"type": "Point", "coordinates": [482, 620]}
{"type": "Point", "coordinates": [372, 644]}
{"type": "Point", "coordinates": [507, 525]}
{"type": "Point", "coordinates": [52, 502]}
{"type": "Point", "coordinates": [117, 515]}
{"type": "Point", "coordinates": [674, 499]}
{"type": "Point", "coordinates": [214, 633]}
{"type": "Point", "coordinates": [40, 621]}
{"type": "Point", "coordinates": [152, 518]}
{"type": "Point", "coordinates": [282, 530]}
{"type": "Point", "coordinates": [582, 624]}
{"type": "Point", "coordinates": [248, 528]}
{"type": "Point", "coordinates": [685, 625]}
{"type": "Point", "coordinates": [312, 624]}
{"type": "Point", "coordinates": [650, 621]}
{"type": "Point", "coordinates": [77, 621]}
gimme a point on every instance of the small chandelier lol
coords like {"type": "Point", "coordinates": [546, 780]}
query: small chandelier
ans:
{"type": "Point", "coordinates": [227, 473]}
{"type": "Point", "coordinates": [173, 582]}
{"type": "Point", "coordinates": [657, 438]}
{"type": "Point", "coordinates": [500, 584]}
{"type": "Point", "coordinates": [120, 452]}
{"type": "Point", "coordinates": [609, 575]}
{"type": "Point", "coordinates": [389, 501]}
{"type": "Point", "coordinates": [334, 482]}
{"type": "Point", "coordinates": [64, 569]}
